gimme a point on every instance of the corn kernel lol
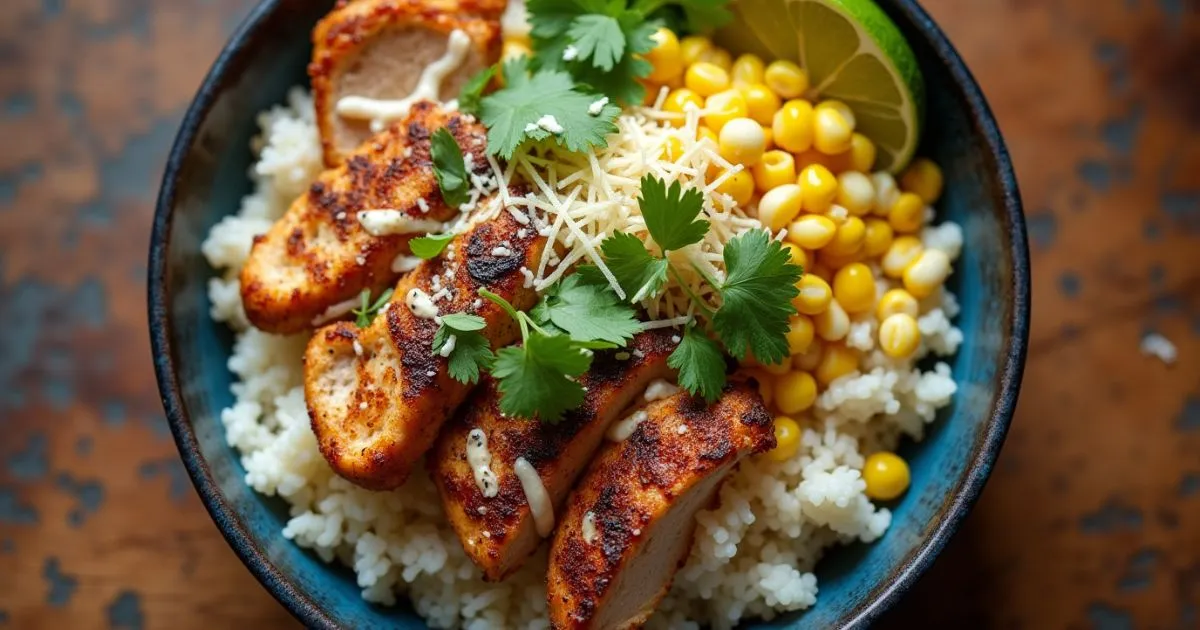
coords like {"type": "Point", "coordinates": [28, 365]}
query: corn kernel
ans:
{"type": "Point", "coordinates": [691, 48]}
{"type": "Point", "coordinates": [924, 178]}
{"type": "Point", "coordinates": [836, 361]}
{"type": "Point", "coordinates": [849, 238]}
{"type": "Point", "coordinates": [796, 255]}
{"type": "Point", "coordinates": [897, 301]}
{"type": "Point", "coordinates": [775, 169]}
{"type": "Point", "coordinates": [718, 57]}
{"type": "Point", "coordinates": [787, 439]}
{"type": "Point", "coordinates": [907, 214]}
{"type": "Point", "coordinates": [742, 141]}
{"type": "Point", "coordinates": [831, 131]}
{"type": "Point", "coordinates": [799, 334]}
{"type": "Point", "coordinates": [706, 78]}
{"type": "Point", "coordinates": [926, 273]}
{"type": "Point", "coordinates": [820, 270]}
{"type": "Point", "coordinates": [724, 107]}
{"type": "Point", "coordinates": [833, 324]}
{"type": "Point", "coordinates": [793, 126]}
{"type": "Point", "coordinates": [855, 192]}
{"type": "Point", "coordinates": [513, 48]}
{"type": "Point", "coordinates": [678, 102]}
{"type": "Point", "coordinates": [786, 79]}
{"type": "Point", "coordinates": [854, 288]}
{"type": "Point", "coordinates": [795, 392]}
{"type": "Point", "coordinates": [770, 136]}
{"type": "Point", "coordinates": [886, 192]}
{"type": "Point", "coordinates": [705, 133]}
{"type": "Point", "coordinates": [809, 360]}
{"type": "Point", "coordinates": [775, 369]}
{"type": "Point", "coordinates": [815, 295]}
{"type": "Point", "coordinates": [740, 186]}
{"type": "Point", "coordinates": [862, 153]}
{"type": "Point", "coordinates": [841, 108]}
{"type": "Point", "coordinates": [812, 231]}
{"type": "Point", "coordinates": [819, 188]}
{"type": "Point", "coordinates": [665, 58]}
{"type": "Point", "coordinates": [779, 206]}
{"type": "Point", "coordinates": [899, 336]}
{"type": "Point", "coordinates": [835, 262]}
{"type": "Point", "coordinates": [886, 476]}
{"type": "Point", "coordinates": [904, 251]}
{"type": "Point", "coordinates": [673, 149]}
{"type": "Point", "coordinates": [747, 70]}
{"type": "Point", "coordinates": [878, 237]}
{"type": "Point", "coordinates": [761, 102]}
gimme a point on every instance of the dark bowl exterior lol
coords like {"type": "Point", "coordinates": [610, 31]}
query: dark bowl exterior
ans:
{"type": "Point", "coordinates": [206, 178]}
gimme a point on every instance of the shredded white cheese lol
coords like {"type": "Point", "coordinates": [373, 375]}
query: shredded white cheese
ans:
{"type": "Point", "coordinates": [588, 528]}
{"type": "Point", "coordinates": [384, 222]}
{"type": "Point", "coordinates": [620, 430]}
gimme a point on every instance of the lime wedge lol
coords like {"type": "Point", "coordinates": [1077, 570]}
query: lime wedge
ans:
{"type": "Point", "coordinates": [852, 53]}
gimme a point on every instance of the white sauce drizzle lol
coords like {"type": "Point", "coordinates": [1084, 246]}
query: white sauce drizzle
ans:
{"type": "Point", "coordinates": [335, 311]}
{"type": "Point", "coordinates": [660, 389]}
{"type": "Point", "coordinates": [404, 263]}
{"type": "Point", "coordinates": [385, 222]}
{"type": "Point", "coordinates": [480, 460]}
{"type": "Point", "coordinates": [382, 112]}
{"type": "Point", "coordinates": [448, 347]}
{"type": "Point", "coordinates": [588, 529]}
{"type": "Point", "coordinates": [420, 304]}
{"type": "Point", "coordinates": [535, 495]}
{"type": "Point", "coordinates": [514, 23]}
{"type": "Point", "coordinates": [623, 428]}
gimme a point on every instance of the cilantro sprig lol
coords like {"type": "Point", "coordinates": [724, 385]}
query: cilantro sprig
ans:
{"type": "Point", "coordinates": [450, 168]}
{"type": "Point", "coordinates": [430, 245]}
{"type": "Point", "coordinates": [367, 310]}
{"type": "Point", "coordinates": [469, 352]}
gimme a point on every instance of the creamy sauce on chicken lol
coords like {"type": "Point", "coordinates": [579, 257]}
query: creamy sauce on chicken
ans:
{"type": "Point", "coordinates": [404, 263]}
{"type": "Point", "coordinates": [588, 528]}
{"type": "Point", "coordinates": [535, 496]}
{"type": "Point", "coordinates": [480, 460]}
{"type": "Point", "coordinates": [448, 347]}
{"type": "Point", "coordinates": [388, 222]}
{"type": "Point", "coordinates": [659, 389]}
{"type": "Point", "coordinates": [335, 311]}
{"type": "Point", "coordinates": [381, 112]}
{"type": "Point", "coordinates": [620, 430]}
{"type": "Point", "coordinates": [420, 304]}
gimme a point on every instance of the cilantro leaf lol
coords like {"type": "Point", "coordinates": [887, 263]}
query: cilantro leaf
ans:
{"type": "Point", "coordinates": [449, 168]}
{"type": "Point", "coordinates": [472, 92]}
{"type": "Point", "coordinates": [640, 273]}
{"type": "Point", "coordinates": [536, 379]}
{"type": "Point", "coordinates": [367, 310]}
{"type": "Point", "coordinates": [619, 84]}
{"type": "Point", "coordinates": [470, 353]}
{"type": "Point", "coordinates": [461, 322]}
{"type": "Point", "coordinates": [550, 19]}
{"type": "Point", "coordinates": [429, 245]}
{"type": "Point", "coordinates": [700, 363]}
{"type": "Point", "coordinates": [599, 38]}
{"type": "Point", "coordinates": [512, 114]}
{"type": "Point", "coordinates": [670, 213]}
{"type": "Point", "coordinates": [756, 297]}
{"type": "Point", "coordinates": [588, 312]}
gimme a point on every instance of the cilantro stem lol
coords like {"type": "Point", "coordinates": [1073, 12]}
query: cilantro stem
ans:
{"type": "Point", "coordinates": [707, 278]}
{"type": "Point", "coordinates": [708, 312]}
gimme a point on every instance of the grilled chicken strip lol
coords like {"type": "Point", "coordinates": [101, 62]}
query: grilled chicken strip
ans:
{"type": "Point", "coordinates": [378, 49]}
{"type": "Point", "coordinates": [556, 452]}
{"type": "Point", "coordinates": [318, 257]}
{"type": "Point", "coordinates": [629, 523]}
{"type": "Point", "coordinates": [378, 395]}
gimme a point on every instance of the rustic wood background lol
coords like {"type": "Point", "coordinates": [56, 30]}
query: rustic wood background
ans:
{"type": "Point", "coordinates": [1092, 518]}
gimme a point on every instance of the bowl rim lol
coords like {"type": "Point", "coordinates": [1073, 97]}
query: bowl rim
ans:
{"type": "Point", "coordinates": [305, 609]}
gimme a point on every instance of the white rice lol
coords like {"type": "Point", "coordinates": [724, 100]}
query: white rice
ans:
{"type": "Point", "coordinates": [753, 555]}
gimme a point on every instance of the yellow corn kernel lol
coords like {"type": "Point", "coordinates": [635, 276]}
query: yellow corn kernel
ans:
{"type": "Point", "coordinates": [812, 231]}
{"type": "Point", "coordinates": [740, 186]}
{"type": "Point", "coordinates": [691, 48]}
{"type": "Point", "coordinates": [836, 361]}
{"type": "Point", "coordinates": [786, 79]}
{"type": "Point", "coordinates": [907, 214]}
{"type": "Point", "coordinates": [766, 385]}
{"type": "Point", "coordinates": [724, 107]}
{"type": "Point", "coordinates": [795, 392]}
{"type": "Point", "coordinates": [704, 133]}
{"type": "Point", "coordinates": [741, 141]}
{"type": "Point", "coordinates": [787, 439]}
{"type": "Point", "coordinates": [820, 270]}
{"type": "Point", "coordinates": [815, 295]}
{"type": "Point", "coordinates": [809, 360]}
{"type": "Point", "coordinates": [678, 102]}
{"type": "Point", "coordinates": [761, 102]}
{"type": "Point", "coordinates": [706, 78]}
{"type": "Point", "coordinates": [747, 70]}
{"type": "Point", "coordinates": [841, 108]}
{"type": "Point", "coordinates": [878, 237]}
{"type": "Point", "coordinates": [862, 153]}
{"type": "Point", "coordinates": [831, 131]}
{"type": "Point", "coordinates": [796, 255]}
{"type": "Point", "coordinates": [775, 369]}
{"type": "Point", "coordinates": [926, 273]}
{"type": "Point", "coordinates": [665, 58]}
{"type": "Point", "coordinates": [673, 149]}
{"type": "Point", "coordinates": [775, 169]}
{"type": "Point", "coordinates": [793, 126]}
{"type": "Point", "coordinates": [896, 301]}
{"type": "Point", "coordinates": [799, 334]}
{"type": "Point", "coordinates": [770, 136]}
{"type": "Point", "coordinates": [854, 288]}
{"type": "Point", "coordinates": [924, 178]}
{"type": "Point", "coordinates": [513, 48]}
{"type": "Point", "coordinates": [885, 474]}
{"type": "Point", "coordinates": [718, 57]}
{"type": "Point", "coordinates": [886, 192]}
{"type": "Point", "coordinates": [779, 206]}
{"type": "Point", "coordinates": [899, 336]}
{"type": "Point", "coordinates": [819, 188]}
{"type": "Point", "coordinates": [855, 192]}
{"type": "Point", "coordinates": [904, 251]}
{"type": "Point", "coordinates": [848, 239]}
{"type": "Point", "coordinates": [833, 324]}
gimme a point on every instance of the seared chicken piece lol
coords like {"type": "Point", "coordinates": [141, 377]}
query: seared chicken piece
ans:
{"type": "Point", "coordinates": [556, 452]}
{"type": "Point", "coordinates": [378, 49]}
{"type": "Point", "coordinates": [629, 524]}
{"type": "Point", "coordinates": [378, 395]}
{"type": "Point", "coordinates": [318, 257]}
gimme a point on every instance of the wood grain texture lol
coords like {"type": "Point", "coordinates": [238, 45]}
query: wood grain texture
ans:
{"type": "Point", "coordinates": [1091, 520]}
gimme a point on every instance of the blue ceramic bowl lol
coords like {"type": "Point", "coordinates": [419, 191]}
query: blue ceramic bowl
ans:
{"type": "Point", "coordinates": [206, 177]}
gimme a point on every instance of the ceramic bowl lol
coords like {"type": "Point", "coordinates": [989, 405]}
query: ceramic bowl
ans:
{"type": "Point", "coordinates": [206, 177]}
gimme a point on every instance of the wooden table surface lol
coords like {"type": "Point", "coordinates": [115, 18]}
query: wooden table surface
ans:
{"type": "Point", "coordinates": [1091, 519]}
